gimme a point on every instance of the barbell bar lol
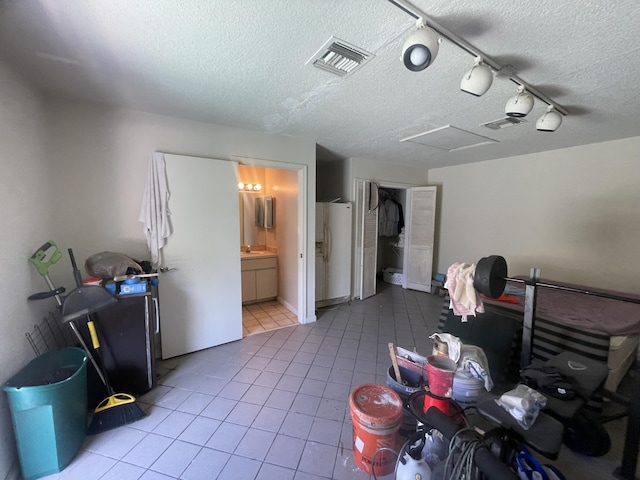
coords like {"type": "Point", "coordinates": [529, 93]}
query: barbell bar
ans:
{"type": "Point", "coordinates": [491, 278]}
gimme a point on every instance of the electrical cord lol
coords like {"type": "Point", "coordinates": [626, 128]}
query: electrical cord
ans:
{"type": "Point", "coordinates": [373, 459]}
{"type": "Point", "coordinates": [463, 467]}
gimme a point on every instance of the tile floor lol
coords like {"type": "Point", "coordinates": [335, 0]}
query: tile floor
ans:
{"type": "Point", "coordinates": [266, 316]}
{"type": "Point", "coordinates": [275, 405]}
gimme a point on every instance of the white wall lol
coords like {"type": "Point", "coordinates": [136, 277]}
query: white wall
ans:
{"type": "Point", "coordinates": [574, 213]}
{"type": "Point", "coordinates": [25, 223]}
{"type": "Point", "coordinates": [384, 173]}
{"type": "Point", "coordinates": [282, 185]}
{"type": "Point", "coordinates": [100, 157]}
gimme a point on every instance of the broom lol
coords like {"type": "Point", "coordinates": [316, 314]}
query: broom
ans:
{"type": "Point", "coordinates": [117, 409]}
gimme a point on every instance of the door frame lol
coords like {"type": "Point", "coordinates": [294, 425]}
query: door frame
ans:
{"type": "Point", "coordinates": [356, 286]}
{"type": "Point", "coordinates": [302, 240]}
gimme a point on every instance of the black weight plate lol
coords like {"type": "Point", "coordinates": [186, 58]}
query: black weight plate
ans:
{"type": "Point", "coordinates": [490, 278]}
{"type": "Point", "coordinates": [586, 436]}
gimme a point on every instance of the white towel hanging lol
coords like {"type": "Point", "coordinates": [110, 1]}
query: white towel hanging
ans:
{"type": "Point", "coordinates": [154, 211]}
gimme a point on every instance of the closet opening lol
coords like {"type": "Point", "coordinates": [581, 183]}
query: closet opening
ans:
{"type": "Point", "coordinates": [391, 234]}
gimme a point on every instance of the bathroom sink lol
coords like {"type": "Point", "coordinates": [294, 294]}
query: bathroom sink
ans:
{"type": "Point", "coordinates": [257, 253]}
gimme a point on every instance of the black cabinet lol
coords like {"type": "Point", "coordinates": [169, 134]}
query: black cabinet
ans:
{"type": "Point", "coordinates": [126, 331]}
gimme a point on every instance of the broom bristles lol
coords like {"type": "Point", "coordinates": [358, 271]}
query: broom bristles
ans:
{"type": "Point", "coordinates": [114, 417]}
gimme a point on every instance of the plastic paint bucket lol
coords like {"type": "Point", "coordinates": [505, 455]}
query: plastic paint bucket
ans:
{"type": "Point", "coordinates": [441, 371]}
{"type": "Point", "coordinates": [467, 390]}
{"type": "Point", "coordinates": [412, 382]}
{"type": "Point", "coordinates": [376, 412]}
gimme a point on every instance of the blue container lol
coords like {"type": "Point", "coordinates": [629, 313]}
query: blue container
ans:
{"type": "Point", "coordinates": [48, 403]}
{"type": "Point", "coordinates": [111, 287]}
{"type": "Point", "coordinates": [128, 287]}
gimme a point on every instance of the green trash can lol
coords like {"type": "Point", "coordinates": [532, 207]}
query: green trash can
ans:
{"type": "Point", "coordinates": [48, 403]}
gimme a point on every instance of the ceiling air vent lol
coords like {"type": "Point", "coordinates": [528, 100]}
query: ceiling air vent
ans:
{"type": "Point", "coordinates": [339, 57]}
{"type": "Point", "coordinates": [503, 123]}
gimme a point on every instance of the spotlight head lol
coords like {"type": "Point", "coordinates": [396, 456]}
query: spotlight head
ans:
{"type": "Point", "coordinates": [520, 104]}
{"type": "Point", "coordinates": [477, 80]}
{"type": "Point", "coordinates": [420, 49]}
{"type": "Point", "coordinates": [550, 121]}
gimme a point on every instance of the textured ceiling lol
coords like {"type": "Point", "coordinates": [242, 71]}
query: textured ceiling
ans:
{"type": "Point", "coordinates": [241, 63]}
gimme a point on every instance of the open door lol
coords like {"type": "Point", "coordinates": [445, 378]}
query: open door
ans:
{"type": "Point", "coordinates": [200, 287]}
{"type": "Point", "coordinates": [419, 236]}
{"type": "Point", "coordinates": [366, 238]}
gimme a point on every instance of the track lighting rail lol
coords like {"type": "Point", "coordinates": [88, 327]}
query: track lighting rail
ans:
{"type": "Point", "coordinates": [423, 19]}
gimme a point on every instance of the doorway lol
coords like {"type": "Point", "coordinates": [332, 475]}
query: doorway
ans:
{"type": "Point", "coordinates": [281, 238]}
{"type": "Point", "coordinates": [394, 236]}
{"type": "Point", "coordinates": [391, 208]}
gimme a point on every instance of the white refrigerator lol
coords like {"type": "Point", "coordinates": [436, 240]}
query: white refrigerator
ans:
{"type": "Point", "coordinates": [333, 253]}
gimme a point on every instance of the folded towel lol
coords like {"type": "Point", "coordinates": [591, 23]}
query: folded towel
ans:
{"type": "Point", "coordinates": [464, 299]}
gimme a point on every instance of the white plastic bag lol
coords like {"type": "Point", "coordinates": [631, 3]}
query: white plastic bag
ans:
{"type": "Point", "coordinates": [523, 403]}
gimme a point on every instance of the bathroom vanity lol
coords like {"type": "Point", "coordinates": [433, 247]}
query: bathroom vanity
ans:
{"type": "Point", "coordinates": [259, 276]}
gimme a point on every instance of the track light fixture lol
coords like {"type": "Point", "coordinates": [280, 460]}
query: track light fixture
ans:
{"type": "Point", "coordinates": [550, 121]}
{"type": "Point", "coordinates": [520, 104]}
{"type": "Point", "coordinates": [477, 80]}
{"type": "Point", "coordinates": [420, 48]}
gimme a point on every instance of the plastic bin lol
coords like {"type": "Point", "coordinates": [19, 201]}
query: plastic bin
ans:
{"type": "Point", "coordinates": [48, 403]}
{"type": "Point", "coordinates": [392, 275]}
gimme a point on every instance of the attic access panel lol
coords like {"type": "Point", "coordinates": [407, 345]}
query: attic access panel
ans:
{"type": "Point", "coordinates": [449, 138]}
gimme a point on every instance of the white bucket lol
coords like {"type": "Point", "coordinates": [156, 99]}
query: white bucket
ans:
{"type": "Point", "coordinates": [467, 390]}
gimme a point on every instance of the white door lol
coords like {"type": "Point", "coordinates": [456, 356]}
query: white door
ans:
{"type": "Point", "coordinates": [419, 235]}
{"type": "Point", "coordinates": [367, 238]}
{"type": "Point", "coordinates": [200, 293]}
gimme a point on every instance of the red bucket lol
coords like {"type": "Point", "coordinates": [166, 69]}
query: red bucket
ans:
{"type": "Point", "coordinates": [441, 371]}
{"type": "Point", "coordinates": [376, 413]}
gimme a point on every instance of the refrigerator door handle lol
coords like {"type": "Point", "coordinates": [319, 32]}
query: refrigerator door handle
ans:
{"type": "Point", "coordinates": [155, 303]}
{"type": "Point", "coordinates": [329, 245]}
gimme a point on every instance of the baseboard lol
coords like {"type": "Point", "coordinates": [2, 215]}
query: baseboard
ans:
{"type": "Point", "coordinates": [290, 307]}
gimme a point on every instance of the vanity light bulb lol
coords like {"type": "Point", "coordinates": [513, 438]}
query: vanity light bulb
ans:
{"type": "Point", "coordinates": [240, 186]}
{"type": "Point", "coordinates": [257, 186]}
{"type": "Point", "coordinates": [249, 186]}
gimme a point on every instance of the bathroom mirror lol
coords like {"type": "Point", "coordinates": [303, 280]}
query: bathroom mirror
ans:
{"type": "Point", "coordinates": [269, 212]}
{"type": "Point", "coordinates": [252, 231]}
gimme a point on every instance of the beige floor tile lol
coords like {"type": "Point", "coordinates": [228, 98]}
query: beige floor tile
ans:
{"type": "Point", "coordinates": [269, 325]}
{"type": "Point", "coordinates": [256, 329]}
{"type": "Point", "coordinates": [285, 323]}
{"type": "Point", "coordinates": [265, 316]}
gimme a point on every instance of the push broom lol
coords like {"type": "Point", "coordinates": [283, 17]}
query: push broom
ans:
{"type": "Point", "coordinates": [117, 409]}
